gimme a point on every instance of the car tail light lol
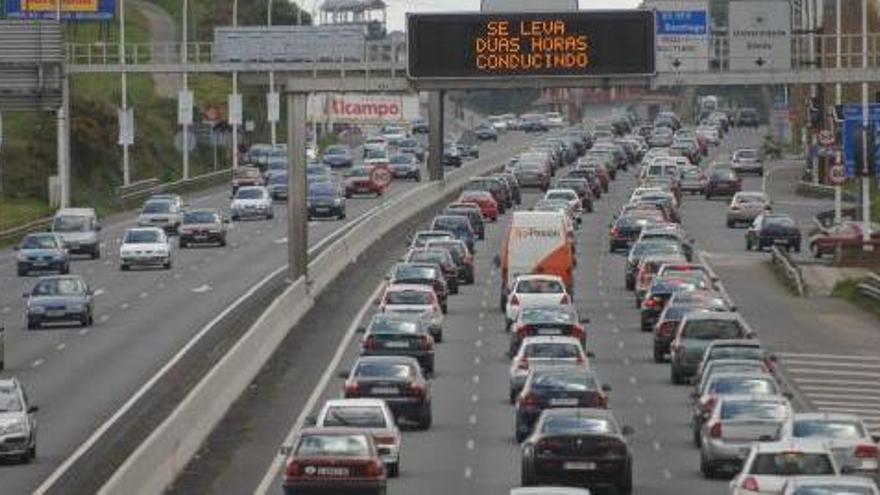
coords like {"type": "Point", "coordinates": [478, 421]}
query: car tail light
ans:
{"type": "Point", "coordinates": [351, 390]}
{"type": "Point", "coordinates": [548, 444]}
{"type": "Point", "coordinates": [293, 470]}
{"type": "Point", "coordinates": [369, 342]}
{"type": "Point", "coordinates": [523, 330]}
{"type": "Point", "coordinates": [866, 451]}
{"type": "Point", "coordinates": [750, 484]}
{"type": "Point", "coordinates": [715, 430]}
{"type": "Point", "coordinates": [523, 363]}
{"type": "Point", "coordinates": [424, 343]}
{"type": "Point", "coordinates": [385, 439]}
{"type": "Point", "coordinates": [374, 469]}
{"type": "Point", "coordinates": [529, 400]}
{"type": "Point", "coordinates": [565, 299]}
{"type": "Point", "coordinates": [577, 331]}
{"type": "Point", "coordinates": [651, 303]}
{"type": "Point", "coordinates": [514, 301]}
{"type": "Point", "coordinates": [601, 401]}
{"type": "Point", "coordinates": [417, 389]}
{"type": "Point", "coordinates": [666, 328]}
{"type": "Point", "coordinates": [708, 404]}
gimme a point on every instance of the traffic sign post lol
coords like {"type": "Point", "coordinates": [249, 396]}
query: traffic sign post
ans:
{"type": "Point", "coordinates": [857, 160]}
{"type": "Point", "coordinates": [837, 175]}
{"type": "Point", "coordinates": [381, 176]}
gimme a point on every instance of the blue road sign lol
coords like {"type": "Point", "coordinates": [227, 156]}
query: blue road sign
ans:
{"type": "Point", "coordinates": [71, 10]}
{"type": "Point", "coordinates": [852, 125]}
{"type": "Point", "coordinates": [682, 22]}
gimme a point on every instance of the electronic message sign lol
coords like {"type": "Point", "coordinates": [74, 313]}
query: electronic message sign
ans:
{"type": "Point", "coordinates": [553, 44]}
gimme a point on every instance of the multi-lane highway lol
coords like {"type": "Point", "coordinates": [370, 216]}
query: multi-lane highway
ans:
{"type": "Point", "coordinates": [470, 448]}
{"type": "Point", "coordinates": [80, 376]}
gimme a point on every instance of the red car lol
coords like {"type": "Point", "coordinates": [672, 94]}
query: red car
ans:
{"type": "Point", "coordinates": [483, 199]}
{"type": "Point", "coordinates": [846, 234]}
{"type": "Point", "coordinates": [334, 460]}
{"type": "Point", "coordinates": [359, 180]}
{"type": "Point", "coordinates": [246, 176]}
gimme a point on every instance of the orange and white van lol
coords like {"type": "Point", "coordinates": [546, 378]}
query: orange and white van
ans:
{"type": "Point", "coordinates": [537, 242]}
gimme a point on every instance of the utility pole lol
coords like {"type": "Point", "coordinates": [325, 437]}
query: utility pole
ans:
{"type": "Point", "coordinates": [63, 132]}
{"type": "Point", "coordinates": [868, 154]}
{"type": "Point", "coordinates": [126, 171]}
{"type": "Point", "coordinates": [186, 120]}
{"type": "Point", "coordinates": [273, 102]}
{"type": "Point", "coordinates": [234, 110]}
{"type": "Point", "coordinates": [838, 100]}
{"type": "Point", "coordinates": [811, 25]}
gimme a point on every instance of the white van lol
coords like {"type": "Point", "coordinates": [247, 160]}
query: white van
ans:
{"type": "Point", "coordinates": [78, 228]}
{"type": "Point", "coordinates": [537, 242]}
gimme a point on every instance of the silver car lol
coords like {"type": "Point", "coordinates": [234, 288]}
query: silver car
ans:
{"type": "Point", "coordinates": [252, 202]}
{"type": "Point", "coordinates": [850, 441]}
{"type": "Point", "coordinates": [747, 160]}
{"type": "Point", "coordinates": [735, 422]}
{"type": "Point", "coordinates": [18, 426]}
{"type": "Point", "coordinates": [164, 213]}
{"type": "Point", "coordinates": [746, 206]}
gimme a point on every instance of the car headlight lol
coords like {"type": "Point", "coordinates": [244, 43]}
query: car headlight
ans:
{"type": "Point", "coordinates": [76, 308]}
{"type": "Point", "coordinates": [21, 256]}
{"type": "Point", "coordinates": [36, 309]}
{"type": "Point", "coordinates": [14, 427]}
{"type": "Point", "coordinates": [337, 201]}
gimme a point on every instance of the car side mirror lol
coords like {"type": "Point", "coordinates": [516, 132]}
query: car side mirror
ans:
{"type": "Point", "coordinates": [734, 308]}
{"type": "Point", "coordinates": [311, 421]}
{"type": "Point", "coordinates": [627, 430]}
{"type": "Point", "coordinates": [584, 320]}
{"type": "Point", "coordinates": [788, 395]}
{"type": "Point", "coordinates": [98, 228]}
{"type": "Point", "coordinates": [343, 374]}
{"type": "Point", "coordinates": [496, 261]}
{"type": "Point", "coordinates": [361, 330]}
{"type": "Point", "coordinates": [875, 438]}
{"type": "Point", "coordinates": [772, 358]}
{"type": "Point", "coordinates": [25, 295]}
{"type": "Point", "coordinates": [285, 450]}
{"type": "Point", "coordinates": [606, 387]}
{"type": "Point", "coordinates": [15, 248]}
{"type": "Point", "coordinates": [591, 354]}
{"type": "Point", "coordinates": [33, 409]}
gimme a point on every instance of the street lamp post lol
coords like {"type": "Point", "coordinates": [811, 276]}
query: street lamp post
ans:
{"type": "Point", "coordinates": [185, 121]}
{"type": "Point", "coordinates": [838, 100]}
{"type": "Point", "coordinates": [867, 154]}
{"type": "Point", "coordinates": [273, 97]}
{"type": "Point", "coordinates": [124, 120]}
{"type": "Point", "coordinates": [236, 101]}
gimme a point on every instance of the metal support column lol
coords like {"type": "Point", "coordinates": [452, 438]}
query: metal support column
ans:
{"type": "Point", "coordinates": [866, 179]}
{"type": "Point", "coordinates": [64, 143]}
{"type": "Point", "coordinates": [297, 213]}
{"type": "Point", "coordinates": [435, 135]}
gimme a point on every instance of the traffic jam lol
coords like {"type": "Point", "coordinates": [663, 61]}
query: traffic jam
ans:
{"type": "Point", "coordinates": [570, 439]}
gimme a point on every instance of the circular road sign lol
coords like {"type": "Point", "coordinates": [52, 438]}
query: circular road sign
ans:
{"type": "Point", "coordinates": [826, 138]}
{"type": "Point", "coordinates": [836, 175]}
{"type": "Point", "coordinates": [380, 176]}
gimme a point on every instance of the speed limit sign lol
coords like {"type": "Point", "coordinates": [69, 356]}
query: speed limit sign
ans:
{"type": "Point", "coordinates": [380, 176]}
{"type": "Point", "coordinates": [836, 175]}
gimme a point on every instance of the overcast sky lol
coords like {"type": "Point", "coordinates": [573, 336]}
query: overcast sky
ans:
{"type": "Point", "coordinates": [398, 8]}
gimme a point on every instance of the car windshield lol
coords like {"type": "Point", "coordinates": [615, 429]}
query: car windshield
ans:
{"type": "Point", "coordinates": [563, 195]}
{"type": "Point", "coordinates": [72, 224]}
{"type": "Point", "coordinates": [752, 409]}
{"type": "Point", "coordinates": [278, 179]}
{"type": "Point", "coordinates": [409, 297]}
{"type": "Point", "coordinates": [538, 286]}
{"type": "Point", "coordinates": [249, 194]}
{"type": "Point", "coordinates": [792, 464]}
{"type": "Point", "coordinates": [374, 154]}
{"type": "Point", "coordinates": [39, 242]}
{"type": "Point", "coordinates": [551, 350]}
{"type": "Point", "coordinates": [562, 381]}
{"type": "Point", "coordinates": [336, 150]}
{"type": "Point", "coordinates": [747, 154]}
{"type": "Point", "coordinates": [9, 400]}
{"type": "Point", "coordinates": [157, 207]}
{"type": "Point", "coordinates": [59, 287]}
{"type": "Point", "coordinates": [200, 217]}
{"type": "Point", "coordinates": [357, 416]}
{"type": "Point", "coordinates": [383, 370]}
{"type": "Point", "coordinates": [664, 245]}
{"type": "Point", "coordinates": [831, 488]}
{"type": "Point", "coordinates": [576, 424]}
{"type": "Point", "coordinates": [141, 237]}
{"type": "Point", "coordinates": [359, 172]}
{"type": "Point", "coordinates": [723, 175]}
{"type": "Point", "coordinates": [712, 330]}
{"type": "Point", "coordinates": [322, 189]}
{"type": "Point", "coordinates": [428, 256]}
{"type": "Point", "coordinates": [816, 428]}
{"type": "Point", "coordinates": [450, 223]}
{"type": "Point", "coordinates": [333, 446]}
{"type": "Point", "coordinates": [743, 386]}
{"type": "Point", "coordinates": [401, 159]}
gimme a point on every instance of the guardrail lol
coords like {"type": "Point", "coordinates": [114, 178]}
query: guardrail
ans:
{"type": "Point", "coordinates": [12, 235]}
{"type": "Point", "coordinates": [870, 286]}
{"type": "Point", "coordinates": [132, 198]}
{"type": "Point", "coordinates": [791, 271]}
{"type": "Point", "coordinates": [156, 461]}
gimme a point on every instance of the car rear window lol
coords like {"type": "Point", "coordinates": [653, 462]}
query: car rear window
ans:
{"type": "Point", "coordinates": [737, 352]}
{"type": "Point", "coordinates": [554, 350]}
{"type": "Point", "coordinates": [576, 424]}
{"type": "Point", "coordinates": [141, 237]}
{"type": "Point", "coordinates": [744, 386]}
{"type": "Point", "coordinates": [827, 429]}
{"type": "Point", "coordinates": [831, 488]}
{"type": "Point", "coordinates": [356, 416]}
{"type": "Point", "coordinates": [563, 381]}
{"type": "Point", "coordinates": [409, 297]}
{"type": "Point", "coordinates": [249, 194]}
{"type": "Point", "coordinates": [539, 287]}
{"type": "Point", "coordinates": [792, 464]}
{"type": "Point", "coordinates": [333, 446]}
{"type": "Point", "coordinates": [383, 370]}
{"type": "Point", "coordinates": [200, 217]}
{"type": "Point", "coordinates": [389, 325]}
{"type": "Point", "coordinates": [752, 409]}
{"type": "Point", "coordinates": [713, 330]}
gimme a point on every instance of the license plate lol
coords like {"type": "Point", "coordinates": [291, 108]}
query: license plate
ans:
{"type": "Point", "coordinates": [549, 331]}
{"type": "Point", "coordinates": [780, 241]}
{"type": "Point", "coordinates": [563, 402]}
{"type": "Point", "coordinates": [384, 390]}
{"type": "Point", "coordinates": [40, 264]}
{"type": "Point", "coordinates": [322, 208]}
{"type": "Point", "coordinates": [200, 237]}
{"type": "Point", "coordinates": [56, 313]}
{"type": "Point", "coordinates": [579, 466]}
{"type": "Point", "coordinates": [332, 471]}
{"type": "Point", "coordinates": [397, 345]}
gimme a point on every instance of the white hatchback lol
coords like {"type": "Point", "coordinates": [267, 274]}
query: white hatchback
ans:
{"type": "Point", "coordinates": [535, 290]}
{"type": "Point", "coordinates": [145, 246]}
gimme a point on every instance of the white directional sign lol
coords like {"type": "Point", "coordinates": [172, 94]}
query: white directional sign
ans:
{"type": "Point", "coordinates": [235, 109]}
{"type": "Point", "coordinates": [126, 127]}
{"type": "Point", "coordinates": [760, 35]}
{"type": "Point", "coordinates": [273, 104]}
{"type": "Point", "coordinates": [682, 35]}
{"type": "Point", "coordinates": [184, 107]}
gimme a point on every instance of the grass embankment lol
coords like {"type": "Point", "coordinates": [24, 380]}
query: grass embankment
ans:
{"type": "Point", "coordinates": [848, 290]}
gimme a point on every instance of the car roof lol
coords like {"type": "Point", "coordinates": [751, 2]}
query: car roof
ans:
{"type": "Point", "coordinates": [144, 229]}
{"type": "Point", "coordinates": [76, 211]}
{"type": "Point", "coordinates": [792, 444]}
{"type": "Point", "coordinates": [549, 339]}
{"type": "Point", "coordinates": [753, 398]}
{"type": "Point", "coordinates": [388, 359]}
{"type": "Point", "coordinates": [408, 287]}
{"type": "Point", "coordinates": [716, 315]}
{"type": "Point", "coordinates": [355, 402]}
{"type": "Point", "coordinates": [333, 430]}
{"type": "Point", "coordinates": [549, 490]}
{"type": "Point", "coordinates": [534, 276]}
{"type": "Point", "coordinates": [736, 343]}
{"type": "Point", "coordinates": [740, 374]}
{"type": "Point", "coordinates": [590, 412]}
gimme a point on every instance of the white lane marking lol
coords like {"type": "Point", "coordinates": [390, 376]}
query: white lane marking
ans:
{"type": "Point", "coordinates": [667, 475]}
{"type": "Point", "coordinates": [821, 371]}
{"type": "Point", "coordinates": [842, 397]}
{"type": "Point", "coordinates": [831, 364]}
{"type": "Point", "coordinates": [99, 291]}
{"type": "Point", "coordinates": [640, 399]}
{"type": "Point", "coordinates": [626, 361]}
{"type": "Point", "coordinates": [124, 306]}
{"type": "Point", "coordinates": [861, 411]}
{"type": "Point", "coordinates": [482, 315]}
{"type": "Point", "coordinates": [599, 283]}
{"type": "Point", "coordinates": [475, 398]}
{"type": "Point", "coordinates": [282, 240]}
{"type": "Point", "coordinates": [606, 304]}
{"type": "Point", "coordinates": [269, 478]}
{"type": "Point", "coordinates": [649, 420]}
{"type": "Point", "coordinates": [470, 444]}
{"type": "Point", "coordinates": [472, 419]}
{"type": "Point", "coordinates": [479, 328]}
{"type": "Point", "coordinates": [479, 343]}
{"type": "Point", "coordinates": [177, 276]}
{"type": "Point", "coordinates": [610, 316]}
{"type": "Point", "coordinates": [84, 331]}
{"type": "Point", "coordinates": [60, 347]}
{"type": "Point", "coordinates": [477, 360]}
{"type": "Point", "coordinates": [468, 472]}
{"type": "Point", "coordinates": [841, 383]}
{"type": "Point", "coordinates": [6, 310]}
{"type": "Point", "coordinates": [476, 379]}
{"type": "Point", "coordinates": [620, 344]}
{"type": "Point", "coordinates": [194, 268]}
{"type": "Point", "coordinates": [485, 304]}
{"type": "Point", "coordinates": [485, 292]}
{"type": "Point", "coordinates": [656, 446]}
{"type": "Point", "coordinates": [90, 271]}
{"type": "Point", "coordinates": [202, 289]}
{"type": "Point", "coordinates": [104, 318]}
{"type": "Point", "coordinates": [144, 295]}
{"type": "Point", "coordinates": [809, 389]}
{"type": "Point", "coordinates": [786, 355]}
{"type": "Point", "coordinates": [615, 330]}
{"type": "Point", "coordinates": [601, 293]}
{"type": "Point", "coordinates": [633, 380]}
{"type": "Point", "coordinates": [160, 285]}
{"type": "Point", "coordinates": [37, 363]}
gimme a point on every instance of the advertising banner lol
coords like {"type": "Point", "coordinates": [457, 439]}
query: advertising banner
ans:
{"type": "Point", "coordinates": [760, 35]}
{"type": "Point", "coordinates": [682, 30]}
{"type": "Point", "coordinates": [358, 108]}
{"type": "Point", "coordinates": [71, 10]}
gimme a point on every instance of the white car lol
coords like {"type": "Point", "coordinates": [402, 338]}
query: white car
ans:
{"type": "Point", "coordinates": [567, 195]}
{"type": "Point", "coordinates": [824, 485]}
{"type": "Point", "coordinates": [252, 202]}
{"type": "Point", "coordinates": [418, 299]}
{"type": "Point", "coordinates": [375, 143]}
{"type": "Point", "coordinates": [849, 439]}
{"type": "Point", "coordinates": [535, 290]}
{"type": "Point", "coordinates": [498, 122]}
{"type": "Point", "coordinates": [393, 135]}
{"type": "Point", "coordinates": [544, 350]}
{"type": "Point", "coordinates": [709, 133]}
{"type": "Point", "coordinates": [770, 465]}
{"type": "Point", "coordinates": [554, 120]}
{"type": "Point", "coordinates": [372, 415]}
{"type": "Point", "coordinates": [145, 246]}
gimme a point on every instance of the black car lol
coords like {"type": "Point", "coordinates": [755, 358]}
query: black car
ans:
{"type": "Point", "coordinates": [472, 212]}
{"type": "Point", "coordinates": [442, 258]}
{"type": "Point", "coordinates": [461, 255]}
{"type": "Point", "coordinates": [661, 290]}
{"type": "Point", "coordinates": [419, 126]}
{"type": "Point", "coordinates": [60, 298]}
{"type": "Point", "coordinates": [396, 379]}
{"type": "Point", "coordinates": [626, 229]}
{"type": "Point", "coordinates": [429, 274]}
{"type": "Point", "coordinates": [773, 228]}
{"type": "Point", "coordinates": [325, 200]}
{"type": "Point", "coordinates": [581, 187]}
{"type": "Point", "coordinates": [399, 334]}
{"type": "Point", "coordinates": [492, 185]}
{"type": "Point", "coordinates": [722, 182]}
{"type": "Point", "coordinates": [648, 247]}
{"type": "Point", "coordinates": [592, 177]}
{"type": "Point", "coordinates": [578, 447]}
{"type": "Point", "coordinates": [549, 387]}
{"type": "Point", "coordinates": [512, 185]}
